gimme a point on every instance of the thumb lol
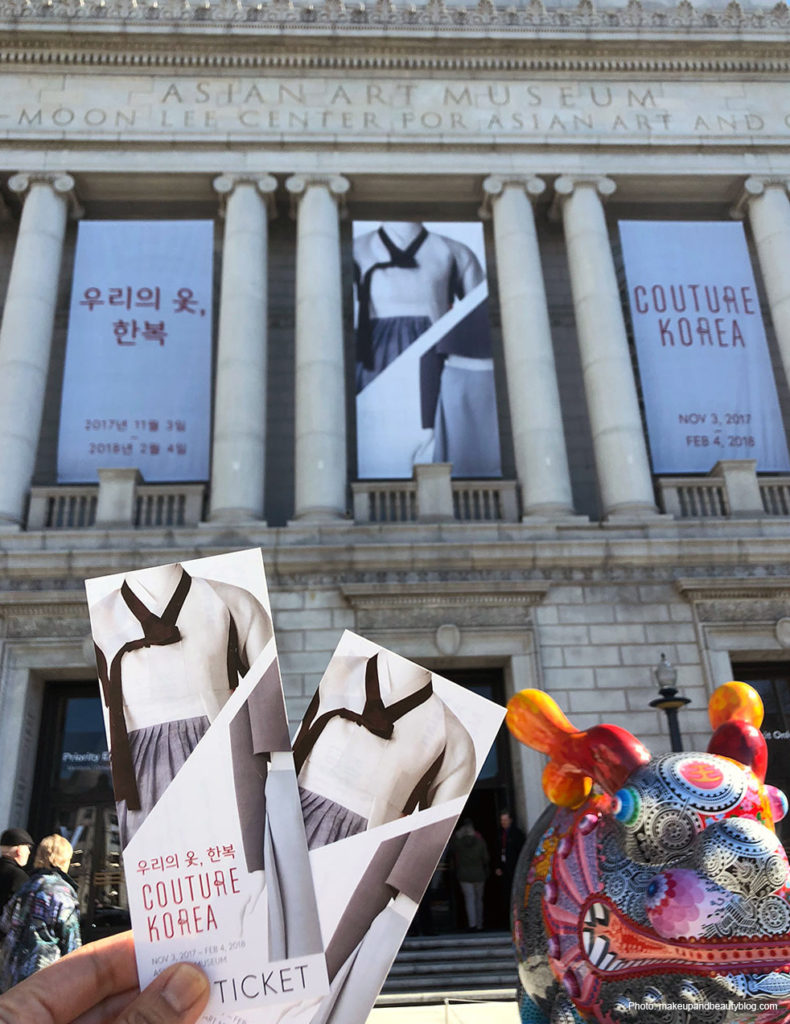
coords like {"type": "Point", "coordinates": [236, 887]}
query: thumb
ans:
{"type": "Point", "coordinates": [177, 996]}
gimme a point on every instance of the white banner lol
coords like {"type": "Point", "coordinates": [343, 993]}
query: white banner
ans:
{"type": "Point", "coordinates": [424, 365]}
{"type": "Point", "coordinates": [707, 380]}
{"type": "Point", "coordinates": [137, 379]}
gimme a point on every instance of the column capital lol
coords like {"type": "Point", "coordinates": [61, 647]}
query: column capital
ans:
{"type": "Point", "coordinates": [266, 184]}
{"type": "Point", "coordinates": [61, 183]}
{"type": "Point", "coordinates": [753, 187]}
{"type": "Point", "coordinates": [336, 185]}
{"type": "Point", "coordinates": [566, 185]}
{"type": "Point", "coordinates": [495, 184]}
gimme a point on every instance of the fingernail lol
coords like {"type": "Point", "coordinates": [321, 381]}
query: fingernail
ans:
{"type": "Point", "coordinates": [184, 987]}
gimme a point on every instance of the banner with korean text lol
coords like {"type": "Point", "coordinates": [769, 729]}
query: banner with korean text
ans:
{"type": "Point", "coordinates": [706, 374]}
{"type": "Point", "coordinates": [137, 377]}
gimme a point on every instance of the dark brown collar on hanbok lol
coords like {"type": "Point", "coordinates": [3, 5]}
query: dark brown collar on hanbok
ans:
{"type": "Point", "coordinates": [158, 631]}
{"type": "Point", "coordinates": [402, 258]}
{"type": "Point", "coordinates": [375, 717]}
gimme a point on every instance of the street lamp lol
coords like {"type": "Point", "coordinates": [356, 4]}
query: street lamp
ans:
{"type": "Point", "coordinates": [669, 700]}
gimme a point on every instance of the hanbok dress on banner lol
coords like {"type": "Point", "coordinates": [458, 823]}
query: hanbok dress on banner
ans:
{"type": "Point", "coordinates": [402, 290]}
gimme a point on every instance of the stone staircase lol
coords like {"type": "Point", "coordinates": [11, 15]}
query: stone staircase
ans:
{"type": "Point", "coordinates": [443, 965]}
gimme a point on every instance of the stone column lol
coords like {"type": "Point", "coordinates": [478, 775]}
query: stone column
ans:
{"type": "Point", "coordinates": [320, 464]}
{"type": "Point", "coordinates": [768, 207]}
{"type": "Point", "coordinates": [239, 444]}
{"type": "Point", "coordinates": [536, 418]}
{"type": "Point", "coordinates": [624, 477]}
{"type": "Point", "coordinates": [26, 331]}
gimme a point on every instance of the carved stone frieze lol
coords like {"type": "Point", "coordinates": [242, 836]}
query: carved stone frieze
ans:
{"type": "Point", "coordinates": [30, 627]}
{"type": "Point", "coordinates": [743, 601]}
{"type": "Point", "coordinates": [433, 605]}
{"type": "Point", "coordinates": [743, 611]}
{"type": "Point", "coordinates": [46, 614]}
{"type": "Point", "coordinates": [420, 617]}
{"type": "Point", "coordinates": [548, 575]}
{"type": "Point", "coordinates": [649, 18]}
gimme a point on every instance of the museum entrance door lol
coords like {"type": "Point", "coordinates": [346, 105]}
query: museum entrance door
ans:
{"type": "Point", "coordinates": [771, 679]}
{"type": "Point", "coordinates": [442, 908]}
{"type": "Point", "coordinates": [73, 796]}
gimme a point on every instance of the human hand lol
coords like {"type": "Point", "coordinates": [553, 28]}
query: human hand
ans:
{"type": "Point", "coordinates": [98, 985]}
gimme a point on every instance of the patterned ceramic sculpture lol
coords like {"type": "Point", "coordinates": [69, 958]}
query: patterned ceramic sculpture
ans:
{"type": "Point", "coordinates": [656, 890]}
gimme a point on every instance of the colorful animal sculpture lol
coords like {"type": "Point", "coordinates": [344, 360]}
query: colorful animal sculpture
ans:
{"type": "Point", "coordinates": [656, 890]}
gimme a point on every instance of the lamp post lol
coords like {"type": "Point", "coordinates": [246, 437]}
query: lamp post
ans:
{"type": "Point", "coordinates": [669, 700]}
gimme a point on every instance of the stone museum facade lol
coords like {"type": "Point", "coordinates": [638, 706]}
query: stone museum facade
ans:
{"type": "Point", "coordinates": [284, 122]}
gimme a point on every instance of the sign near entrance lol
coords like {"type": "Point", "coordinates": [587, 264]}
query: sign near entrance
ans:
{"type": "Point", "coordinates": [704, 363]}
{"type": "Point", "coordinates": [137, 379]}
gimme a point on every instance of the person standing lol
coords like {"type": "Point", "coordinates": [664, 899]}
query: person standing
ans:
{"type": "Point", "coordinates": [470, 856]}
{"type": "Point", "coordinates": [41, 922]}
{"type": "Point", "coordinates": [511, 839]}
{"type": "Point", "coordinates": [15, 847]}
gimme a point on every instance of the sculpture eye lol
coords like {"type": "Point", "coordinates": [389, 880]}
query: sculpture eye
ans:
{"type": "Point", "coordinates": [628, 804]}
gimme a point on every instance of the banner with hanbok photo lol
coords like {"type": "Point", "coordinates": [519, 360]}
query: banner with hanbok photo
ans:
{"type": "Point", "coordinates": [424, 370]}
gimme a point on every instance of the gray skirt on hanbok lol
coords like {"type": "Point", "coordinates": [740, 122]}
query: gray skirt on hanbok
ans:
{"type": "Point", "coordinates": [466, 428]}
{"type": "Point", "coordinates": [389, 337]}
{"type": "Point", "coordinates": [326, 821]}
{"type": "Point", "coordinates": [159, 752]}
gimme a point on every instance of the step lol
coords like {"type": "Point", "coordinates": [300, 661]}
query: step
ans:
{"type": "Point", "coordinates": [454, 953]}
{"type": "Point", "coordinates": [458, 960]}
{"type": "Point", "coordinates": [454, 963]}
{"type": "Point", "coordinates": [469, 996]}
{"type": "Point", "coordinates": [465, 967]}
{"type": "Point", "coordinates": [477, 940]}
{"type": "Point", "coordinates": [451, 983]}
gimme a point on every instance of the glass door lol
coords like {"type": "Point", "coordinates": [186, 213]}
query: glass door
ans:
{"type": "Point", "coordinates": [73, 797]}
{"type": "Point", "coordinates": [772, 682]}
{"type": "Point", "coordinates": [442, 907]}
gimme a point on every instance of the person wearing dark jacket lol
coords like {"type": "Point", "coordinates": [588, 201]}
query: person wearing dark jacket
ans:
{"type": "Point", "coordinates": [511, 839]}
{"type": "Point", "coordinates": [15, 847]}
{"type": "Point", "coordinates": [41, 922]}
{"type": "Point", "coordinates": [470, 857]}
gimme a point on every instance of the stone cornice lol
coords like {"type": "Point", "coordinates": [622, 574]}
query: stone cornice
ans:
{"type": "Point", "coordinates": [43, 603]}
{"type": "Point", "coordinates": [641, 22]}
{"type": "Point", "coordinates": [374, 595]}
{"type": "Point", "coordinates": [460, 554]}
{"type": "Point", "coordinates": [733, 590]}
